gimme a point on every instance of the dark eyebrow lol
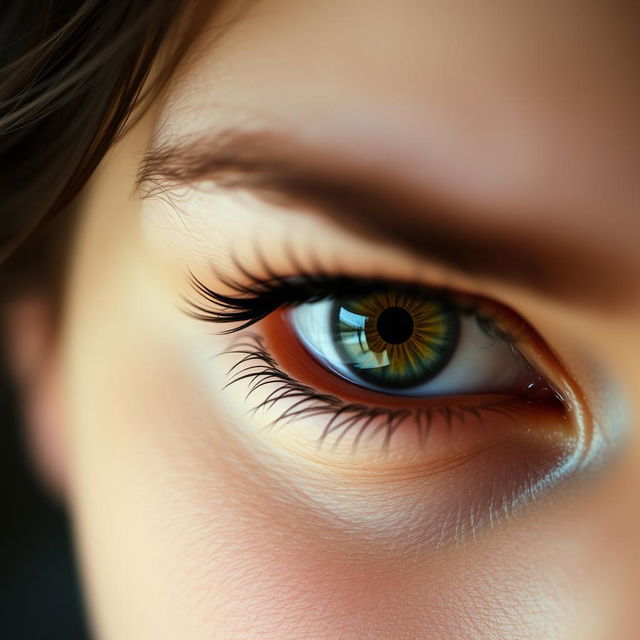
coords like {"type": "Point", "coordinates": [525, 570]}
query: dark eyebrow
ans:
{"type": "Point", "coordinates": [279, 171]}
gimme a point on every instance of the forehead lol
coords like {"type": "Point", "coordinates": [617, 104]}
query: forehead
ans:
{"type": "Point", "coordinates": [509, 106]}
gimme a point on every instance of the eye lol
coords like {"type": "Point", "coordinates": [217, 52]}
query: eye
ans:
{"type": "Point", "coordinates": [413, 405]}
{"type": "Point", "coordinates": [376, 342]}
{"type": "Point", "coordinates": [405, 342]}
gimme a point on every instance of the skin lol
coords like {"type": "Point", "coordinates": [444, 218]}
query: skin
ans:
{"type": "Point", "coordinates": [191, 521]}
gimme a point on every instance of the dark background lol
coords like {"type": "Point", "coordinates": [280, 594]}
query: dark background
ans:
{"type": "Point", "coordinates": [39, 592]}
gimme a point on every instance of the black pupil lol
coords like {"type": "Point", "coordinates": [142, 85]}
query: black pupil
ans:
{"type": "Point", "coordinates": [395, 325]}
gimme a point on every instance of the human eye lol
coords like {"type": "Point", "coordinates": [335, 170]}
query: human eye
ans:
{"type": "Point", "coordinates": [379, 377]}
{"type": "Point", "coordinates": [405, 341]}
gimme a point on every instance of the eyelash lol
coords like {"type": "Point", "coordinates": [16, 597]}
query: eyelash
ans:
{"type": "Point", "coordinates": [260, 369]}
{"type": "Point", "coordinates": [249, 303]}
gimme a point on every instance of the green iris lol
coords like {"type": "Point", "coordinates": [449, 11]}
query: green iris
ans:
{"type": "Point", "coordinates": [395, 339]}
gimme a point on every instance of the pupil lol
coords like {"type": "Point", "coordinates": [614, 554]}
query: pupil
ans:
{"type": "Point", "coordinates": [395, 325]}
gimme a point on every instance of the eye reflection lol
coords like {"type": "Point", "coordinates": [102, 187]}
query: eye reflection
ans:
{"type": "Point", "coordinates": [410, 343]}
{"type": "Point", "coordinates": [392, 339]}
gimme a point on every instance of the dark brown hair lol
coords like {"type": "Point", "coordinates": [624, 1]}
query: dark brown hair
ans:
{"type": "Point", "coordinates": [71, 76]}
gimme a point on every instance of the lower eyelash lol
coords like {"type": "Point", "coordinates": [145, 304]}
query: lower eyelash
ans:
{"type": "Point", "coordinates": [259, 369]}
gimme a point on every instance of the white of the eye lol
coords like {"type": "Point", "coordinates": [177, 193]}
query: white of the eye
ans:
{"type": "Point", "coordinates": [480, 364]}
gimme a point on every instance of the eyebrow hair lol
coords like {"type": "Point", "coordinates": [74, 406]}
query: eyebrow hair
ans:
{"type": "Point", "coordinates": [275, 169]}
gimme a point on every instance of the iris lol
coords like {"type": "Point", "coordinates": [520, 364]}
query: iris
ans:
{"type": "Point", "coordinates": [395, 339]}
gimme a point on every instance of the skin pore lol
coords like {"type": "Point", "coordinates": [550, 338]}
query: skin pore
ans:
{"type": "Point", "coordinates": [503, 125]}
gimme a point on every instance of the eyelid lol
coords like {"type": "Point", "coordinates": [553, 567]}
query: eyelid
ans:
{"type": "Point", "coordinates": [443, 482]}
{"type": "Point", "coordinates": [291, 353]}
{"type": "Point", "coordinates": [256, 299]}
{"type": "Point", "coordinates": [247, 302]}
{"type": "Point", "coordinates": [492, 443]}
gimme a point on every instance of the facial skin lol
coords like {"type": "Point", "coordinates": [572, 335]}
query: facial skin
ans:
{"type": "Point", "coordinates": [510, 122]}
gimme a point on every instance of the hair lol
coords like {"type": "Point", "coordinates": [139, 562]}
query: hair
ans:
{"type": "Point", "coordinates": [73, 74]}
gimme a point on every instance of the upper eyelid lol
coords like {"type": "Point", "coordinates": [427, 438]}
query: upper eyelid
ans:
{"type": "Point", "coordinates": [247, 303]}
{"type": "Point", "coordinates": [269, 164]}
{"type": "Point", "coordinates": [239, 304]}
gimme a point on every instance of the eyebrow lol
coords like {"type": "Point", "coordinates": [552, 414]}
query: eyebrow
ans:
{"type": "Point", "coordinates": [278, 170]}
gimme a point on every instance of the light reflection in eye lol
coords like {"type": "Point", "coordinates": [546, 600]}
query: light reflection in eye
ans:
{"type": "Point", "coordinates": [408, 344]}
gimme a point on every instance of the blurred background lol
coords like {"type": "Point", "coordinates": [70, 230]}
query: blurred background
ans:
{"type": "Point", "coordinates": [39, 593]}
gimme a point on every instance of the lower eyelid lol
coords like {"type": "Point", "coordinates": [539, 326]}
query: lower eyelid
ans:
{"type": "Point", "coordinates": [548, 419]}
{"type": "Point", "coordinates": [444, 447]}
{"type": "Point", "coordinates": [463, 473]}
{"type": "Point", "coordinates": [525, 443]}
{"type": "Point", "coordinates": [466, 475]}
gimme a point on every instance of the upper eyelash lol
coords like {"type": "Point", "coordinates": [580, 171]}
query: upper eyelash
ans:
{"type": "Point", "coordinates": [250, 302]}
